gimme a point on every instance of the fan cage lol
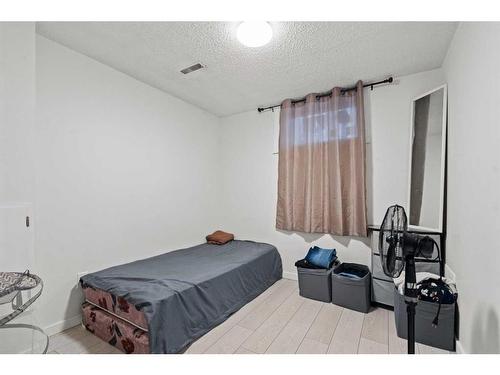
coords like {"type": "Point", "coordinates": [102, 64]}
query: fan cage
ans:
{"type": "Point", "coordinates": [392, 231]}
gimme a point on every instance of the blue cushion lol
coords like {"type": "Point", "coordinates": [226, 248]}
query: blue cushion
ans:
{"type": "Point", "coordinates": [323, 258]}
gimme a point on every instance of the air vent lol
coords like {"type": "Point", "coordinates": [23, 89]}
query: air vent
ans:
{"type": "Point", "coordinates": [192, 68]}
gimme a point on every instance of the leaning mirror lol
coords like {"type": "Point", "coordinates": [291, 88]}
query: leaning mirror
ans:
{"type": "Point", "coordinates": [427, 160]}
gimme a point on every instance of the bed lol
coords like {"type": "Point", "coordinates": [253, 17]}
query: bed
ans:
{"type": "Point", "coordinates": [164, 303]}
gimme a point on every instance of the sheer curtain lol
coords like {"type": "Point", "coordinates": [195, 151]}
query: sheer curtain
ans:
{"type": "Point", "coordinates": [321, 177]}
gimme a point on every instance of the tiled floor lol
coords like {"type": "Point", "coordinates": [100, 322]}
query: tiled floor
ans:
{"type": "Point", "coordinates": [278, 321]}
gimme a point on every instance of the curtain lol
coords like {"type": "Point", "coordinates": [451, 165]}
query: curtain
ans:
{"type": "Point", "coordinates": [321, 176]}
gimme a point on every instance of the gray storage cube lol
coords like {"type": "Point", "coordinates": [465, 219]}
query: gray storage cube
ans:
{"type": "Point", "coordinates": [351, 293]}
{"type": "Point", "coordinates": [315, 283]}
{"type": "Point", "coordinates": [442, 336]}
{"type": "Point", "coordinates": [382, 291]}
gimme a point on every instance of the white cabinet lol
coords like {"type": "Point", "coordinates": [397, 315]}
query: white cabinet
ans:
{"type": "Point", "coordinates": [16, 238]}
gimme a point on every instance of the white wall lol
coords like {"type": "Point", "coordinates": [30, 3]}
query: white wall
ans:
{"type": "Point", "coordinates": [17, 105]}
{"type": "Point", "coordinates": [123, 171]}
{"type": "Point", "coordinates": [472, 71]}
{"type": "Point", "coordinates": [388, 113]}
{"type": "Point", "coordinates": [248, 170]}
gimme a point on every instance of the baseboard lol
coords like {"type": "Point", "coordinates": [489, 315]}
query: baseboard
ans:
{"type": "Point", "coordinates": [63, 325]}
{"type": "Point", "coordinates": [290, 275]}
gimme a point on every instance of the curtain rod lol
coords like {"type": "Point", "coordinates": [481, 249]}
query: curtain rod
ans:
{"type": "Point", "coordinates": [328, 93]}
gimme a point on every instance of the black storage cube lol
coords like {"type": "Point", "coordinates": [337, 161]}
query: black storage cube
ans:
{"type": "Point", "coordinates": [351, 293]}
{"type": "Point", "coordinates": [442, 336]}
{"type": "Point", "coordinates": [315, 283]}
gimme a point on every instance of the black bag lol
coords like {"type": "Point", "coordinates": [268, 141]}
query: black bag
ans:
{"type": "Point", "coordinates": [436, 291]}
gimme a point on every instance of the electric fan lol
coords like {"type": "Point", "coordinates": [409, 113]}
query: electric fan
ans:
{"type": "Point", "coordinates": [398, 250]}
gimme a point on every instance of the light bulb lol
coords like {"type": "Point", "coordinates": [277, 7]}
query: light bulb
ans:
{"type": "Point", "coordinates": [254, 33]}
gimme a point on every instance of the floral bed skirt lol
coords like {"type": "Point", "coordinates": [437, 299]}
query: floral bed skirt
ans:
{"type": "Point", "coordinates": [115, 305]}
{"type": "Point", "coordinates": [115, 331]}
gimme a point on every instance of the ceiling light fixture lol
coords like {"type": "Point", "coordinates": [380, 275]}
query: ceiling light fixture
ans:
{"type": "Point", "coordinates": [254, 33]}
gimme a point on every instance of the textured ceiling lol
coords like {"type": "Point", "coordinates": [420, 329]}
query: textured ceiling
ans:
{"type": "Point", "coordinates": [302, 57]}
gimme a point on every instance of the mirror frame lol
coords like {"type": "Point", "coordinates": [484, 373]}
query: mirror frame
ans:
{"type": "Point", "coordinates": [439, 229]}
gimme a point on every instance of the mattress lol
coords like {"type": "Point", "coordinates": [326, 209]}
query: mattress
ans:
{"type": "Point", "coordinates": [180, 295]}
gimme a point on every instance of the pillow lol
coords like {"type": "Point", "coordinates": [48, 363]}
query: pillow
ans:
{"type": "Point", "coordinates": [323, 258]}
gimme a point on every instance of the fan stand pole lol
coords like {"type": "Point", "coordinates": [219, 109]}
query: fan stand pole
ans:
{"type": "Point", "coordinates": [410, 311]}
{"type": "Point", "coordinates": [410, 300]}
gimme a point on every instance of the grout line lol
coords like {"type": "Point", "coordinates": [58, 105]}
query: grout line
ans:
{"type": "Point", "coordinates": [336, 326]}
{"type": "Point", "coordinates": [301, 341]}
{"type": "Point", "coordinates": [316, 317]}
{"type": "Point", "coordinates": [288, 296]}
{"type": "Point", "coordinates": [286, 324]}
{"type": "Point", "coordinates": [335, 329]}
{"type": "Point", "coordinates": [251, 351]}
{"type": "Point", "coordinates": [281, 330]}
{"type": "Point", "coordinates": [237, 323]}
{"type": "Point", "coordinates": [243, 316]}
{"type": "Point", "coordinates": [361, 333]}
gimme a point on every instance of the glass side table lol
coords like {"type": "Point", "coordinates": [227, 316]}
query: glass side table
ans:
{"type": "Point", "coordinates": [18, 330]}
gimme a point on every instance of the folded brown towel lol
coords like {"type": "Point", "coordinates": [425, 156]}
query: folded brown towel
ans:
{"type": "Point", "coordinates": [219, 237]}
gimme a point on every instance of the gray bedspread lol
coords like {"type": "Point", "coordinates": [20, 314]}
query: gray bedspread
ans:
{"type": "Point", "coordinates": [185, 293]}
